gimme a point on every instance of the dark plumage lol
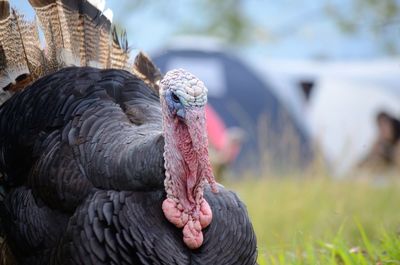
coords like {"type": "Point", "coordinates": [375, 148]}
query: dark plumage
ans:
{"type": "Point", "coordinates": [81, 154]}
{"type": "Point", "coordinates": [97, 166]}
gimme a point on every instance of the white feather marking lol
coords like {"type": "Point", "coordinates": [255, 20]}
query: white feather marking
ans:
{"type": "Point", "coordinates": [108, 13]}
{"type": "Point", "coordinates": [9, 75]}
{"type": "Point", "coordinates": [95, 64]}
{"type": "Point", "coordinates": [68, 58]}
{"type": "Point", "coordinates": [99, 4]}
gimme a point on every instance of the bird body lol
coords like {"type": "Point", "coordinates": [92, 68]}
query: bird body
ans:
{"type": "Point", "coordinates": [99, 168]}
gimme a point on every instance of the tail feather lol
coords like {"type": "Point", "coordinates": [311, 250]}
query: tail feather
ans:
{"type": "Point", "coordinates": [81, 30]}
{"type": "Point", "coordinates": [4, 9]}
{"type": "Point", "coordinates": [119, 51]}
{"type": "Point", "coordinates": [75, 32]}
{"type": "Point", "coordinates": [90, 24]}
{"type": "Point", "coordinates": [144, 68]}
{"type": "Point", "coordinates": [105, 46]}
{"type": "Point", "coordinates": [59, 23]}
{"type": "Point", "coordinates": [29, 37]}
{"type": "Point", "coordinates": [19, 54]}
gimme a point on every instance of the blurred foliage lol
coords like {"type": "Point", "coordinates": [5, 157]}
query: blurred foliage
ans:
{"type": "Point", "coordinates": [377, 16]}
{"type": "Point", "coordinates": [224, 19]}
{"type": "Point", "coordinates": [229, 21]}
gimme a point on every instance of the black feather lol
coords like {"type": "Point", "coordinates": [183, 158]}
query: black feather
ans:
{"type": "Point", "coordinates": [85, 178]}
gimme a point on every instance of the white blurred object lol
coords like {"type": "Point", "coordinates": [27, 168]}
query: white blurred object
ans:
{"type": "Point", "coordinates": [343, 119]}
{"type": "Point", "coordinates": [285, 86]}
{"type": "Point", "coordinates": [347, 96]}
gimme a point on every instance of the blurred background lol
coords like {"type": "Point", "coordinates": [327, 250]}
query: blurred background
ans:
{"type": "Point", "coordinates": [293, 84]}
{"type": "Point", "coordinates": [303, 114]}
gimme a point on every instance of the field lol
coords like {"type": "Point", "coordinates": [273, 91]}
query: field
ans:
{"type": "Point", "coordinates": [322, 221]}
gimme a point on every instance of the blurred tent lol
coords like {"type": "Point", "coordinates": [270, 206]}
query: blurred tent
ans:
{"type": "Point", "coordinates": [343, 103]}
{"type": "Point", "coordinates": [243, 99]}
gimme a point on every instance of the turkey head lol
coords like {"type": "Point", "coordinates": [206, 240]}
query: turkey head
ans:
{"type": "Point", "coordinates": [187, 167]}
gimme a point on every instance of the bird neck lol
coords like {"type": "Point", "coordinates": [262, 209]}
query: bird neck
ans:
{"type": "Point", "coordinates": [181, 163]}
{"type": "Point", "coordinates": [187, 170]}
{"type": "Point", "coordinates": [186, 157]}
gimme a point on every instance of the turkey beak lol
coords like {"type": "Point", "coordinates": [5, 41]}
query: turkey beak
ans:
{"type": "Point", "coordinates": [196, 121]}
{"type": "Point", "coordinates": [181, 114]}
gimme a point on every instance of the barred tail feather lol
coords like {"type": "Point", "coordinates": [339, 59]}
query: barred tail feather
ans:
{"type": "Point", "coordinates": [76, 32]}
{"type": "Point", "coordinates": [20, 56]}
{"type": "Point", "coordinates": [119, 51]}
{"type": "Point", "coordinates": [144, 68]}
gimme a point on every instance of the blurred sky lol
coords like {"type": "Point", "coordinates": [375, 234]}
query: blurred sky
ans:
{"type": "Point", "coordinates": [295, 29]}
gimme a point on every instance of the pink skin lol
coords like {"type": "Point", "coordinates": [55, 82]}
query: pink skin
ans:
{"type": "Point", "coordinates": [188, 169]}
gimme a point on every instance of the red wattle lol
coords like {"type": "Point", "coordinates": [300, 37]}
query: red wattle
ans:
{"type": "Point", "coordinates": [192, 234]}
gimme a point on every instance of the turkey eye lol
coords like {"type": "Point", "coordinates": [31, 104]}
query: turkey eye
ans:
{"type": "Point", "coordinates": [175, 98]}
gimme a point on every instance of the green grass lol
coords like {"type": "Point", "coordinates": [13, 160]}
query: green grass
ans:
{"type": "Point", "coordinates": [323, 221]}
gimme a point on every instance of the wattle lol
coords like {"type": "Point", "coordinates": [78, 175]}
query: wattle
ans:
{"type": "Point", "coordinates": [187, 171]}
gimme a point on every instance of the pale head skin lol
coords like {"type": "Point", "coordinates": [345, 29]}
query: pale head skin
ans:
{"type": "Point", "coordinates": [187, 166]}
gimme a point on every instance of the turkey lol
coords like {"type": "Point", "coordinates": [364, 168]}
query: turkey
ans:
{"type": "Point", "coordinates": [103, 161]}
